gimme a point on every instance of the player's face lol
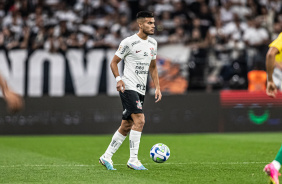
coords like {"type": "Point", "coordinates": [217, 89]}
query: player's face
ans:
{"type": "Point", "coordinates": [149, 26]}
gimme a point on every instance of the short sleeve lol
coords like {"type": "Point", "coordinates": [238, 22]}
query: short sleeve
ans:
{"type": "Point", "coordinates": [155, 52]}
{"type": "Point", "coordinates": [123, 49]}
{"type": "Point", "coordinates": [277, 43]}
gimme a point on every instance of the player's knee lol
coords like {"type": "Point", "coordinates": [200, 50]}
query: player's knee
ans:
{"type": "Point", "coordinates": [124, 131]}
{"type": "Point", "coordinates": [127, 128]}
{"type": "Point", "coordinates": [141, 122]}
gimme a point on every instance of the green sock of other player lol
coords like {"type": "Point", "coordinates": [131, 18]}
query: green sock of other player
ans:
{"type": "Point", "coordinates": [278, 159]}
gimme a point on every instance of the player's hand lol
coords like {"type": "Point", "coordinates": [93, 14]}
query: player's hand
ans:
{"type": "Point", "coordinates": [271, 89]}
{"type": "Point", "coordinates": [14, 101]}
{"type": "Point", "coordinates": [120, 86]}
{"type": "Point", "coordinates": [158, 95]}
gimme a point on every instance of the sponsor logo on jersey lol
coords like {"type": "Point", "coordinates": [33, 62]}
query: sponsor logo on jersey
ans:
{"type": "Point", "coordinates": [124, 49]}
{"type": "Point", "coordinates": [138, 51]}
{"type": "Point", "coordinates": [136, 42]}
{"type": "Point", "coordinates": [141, 87]}
{"type": "Point", "coordinates": [139, 67]}
{"type": "Point", "coordinates": [141, 72]}
{"type": "Point", "coordinates": [139, 105]}
{"type": "Point", "coordinates": [152, 51]}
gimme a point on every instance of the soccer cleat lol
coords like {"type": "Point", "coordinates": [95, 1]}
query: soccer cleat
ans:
{"type": "Point", "coordinates": [273, 173]}
{"type": "Point", "coordinates": [136, 165]}
{"type": "Point", "coordinates": [108, 163]}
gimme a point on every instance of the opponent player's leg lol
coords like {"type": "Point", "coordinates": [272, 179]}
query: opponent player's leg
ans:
{"type": "Point", "coordinates": [272, 169]}
{"type": "Point", "coordinates": [117, 140]}
{"type": "Point", "coordinates": [134, 140]}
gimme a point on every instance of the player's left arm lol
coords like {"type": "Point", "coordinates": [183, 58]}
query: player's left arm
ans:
{"type": "Point", "coordinates": [154, 74]}
{"type": "Point", "coordinates": [14, 101]}
{"type": "Point", "coordinates": [270, 62]}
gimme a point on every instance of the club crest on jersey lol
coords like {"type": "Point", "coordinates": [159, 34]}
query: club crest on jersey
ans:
{"type": "Point", "coordinates": [139, 105]}
{"type": "Point", "coordinates": [152, 51]}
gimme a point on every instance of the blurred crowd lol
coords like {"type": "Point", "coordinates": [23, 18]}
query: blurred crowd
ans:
{"type": "Point", "coordinates": [227, 38]}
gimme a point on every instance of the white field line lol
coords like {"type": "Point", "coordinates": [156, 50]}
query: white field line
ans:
{"type": "Point", "coordinates": [190, 163]}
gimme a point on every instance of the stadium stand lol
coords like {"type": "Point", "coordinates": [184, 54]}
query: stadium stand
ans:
{"type": "Point", "coordinates": [226, 37]}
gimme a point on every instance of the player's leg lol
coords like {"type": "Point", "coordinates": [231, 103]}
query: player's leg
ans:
{"type": "Point", "coordinates": [132, 110]}
{"type": "Point", "coordinates": [117, 140]}
{"type": "Point", "coordinates": [278, 159]}
{"type": "Point", "coordinates": [135, 135]}
{"type": "Point", "coordinates": [125, 127]}
{"type": "Point", "coordinates": [272, 169]}
{"type": "Point", "coordinates": [134, 140]}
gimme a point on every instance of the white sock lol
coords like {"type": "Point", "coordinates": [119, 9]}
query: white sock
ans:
{"type": "Point", "coordinates": [117, 140]}
{"type": "Point", "coordinates": [134, 140]}
{"type": "Point", "coordinates": [276, 164]}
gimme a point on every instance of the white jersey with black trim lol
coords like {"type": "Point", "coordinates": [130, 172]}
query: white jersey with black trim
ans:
{"type": "Point", "coordinates": [137, 55]}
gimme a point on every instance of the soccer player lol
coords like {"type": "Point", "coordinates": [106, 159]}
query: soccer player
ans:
{"type": "Point", "coordinates": [14, 101]}
{"type": "Point", "coordinates": [139, 54]}
{"type": "Point", "coordinates": [274, 54]}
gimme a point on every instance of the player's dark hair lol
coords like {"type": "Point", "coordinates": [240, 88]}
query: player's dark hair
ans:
{"type": "Point", "coordinates": [144, 14]}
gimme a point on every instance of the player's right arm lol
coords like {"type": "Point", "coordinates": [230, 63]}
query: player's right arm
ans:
{"type": "Point", "coordinates": [120, 54]}
{"type": "Point", "coordinates": [114, 68]}
{"type": "Point", "coordinates": [271, 89]}
{"type": "Point", "coordinates": [13, 100]}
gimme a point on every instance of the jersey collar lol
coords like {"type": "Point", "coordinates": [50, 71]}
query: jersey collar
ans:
{"type": "Point", "coordinates": [144, 41]}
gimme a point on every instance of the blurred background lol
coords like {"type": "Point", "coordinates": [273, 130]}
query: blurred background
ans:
{"type": "Point", "coordinates": [211, 62]}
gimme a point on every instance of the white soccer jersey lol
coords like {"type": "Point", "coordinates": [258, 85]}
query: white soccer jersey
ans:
{"type": "Point", "coordinates": [137, 55]}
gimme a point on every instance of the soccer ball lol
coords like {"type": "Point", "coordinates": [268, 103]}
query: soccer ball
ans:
{"type": "Point", "coordinates": [159, 153]}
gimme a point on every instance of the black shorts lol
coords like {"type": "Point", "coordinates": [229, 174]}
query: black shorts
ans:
{"type": "Point", "coordinates": [132, 102]}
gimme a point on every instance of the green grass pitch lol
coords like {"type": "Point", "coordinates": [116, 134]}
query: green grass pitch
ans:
{"type": "Point", "coordinates": [195, 158]}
